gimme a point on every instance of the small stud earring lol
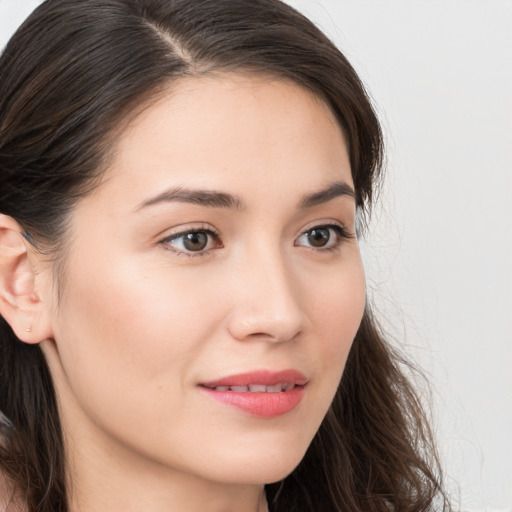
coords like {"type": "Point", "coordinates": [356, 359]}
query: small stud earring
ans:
{"type": "Point", "coordinates": [29, 328]}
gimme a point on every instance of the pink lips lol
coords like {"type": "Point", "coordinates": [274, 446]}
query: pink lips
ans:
{"type": "Point", "coordinates": [262, 393]}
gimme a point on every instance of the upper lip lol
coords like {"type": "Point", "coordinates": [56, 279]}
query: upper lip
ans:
{"type": "Point", "coordinates": [266, 377]}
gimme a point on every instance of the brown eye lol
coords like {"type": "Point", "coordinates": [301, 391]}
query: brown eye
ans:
{"type": "Point", "coordinates": [196, 241]}
{"type": "Point", "coordinates": [318, 237]}
{"type": "Point", "coordinates": [326, 237]}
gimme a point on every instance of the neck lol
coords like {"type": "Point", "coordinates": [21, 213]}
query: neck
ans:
{"type": "Point", "coordinates": [103, 478]}
{"type": "Point", "coordinates": [174, 498]}
{"type": "Point", "coordinates": [100, 484]}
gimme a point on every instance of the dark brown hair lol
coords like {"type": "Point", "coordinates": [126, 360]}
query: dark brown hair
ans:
{"type": "Point", "coordinates": [68, 77]}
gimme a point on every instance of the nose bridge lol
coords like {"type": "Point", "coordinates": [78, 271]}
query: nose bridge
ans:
{"type": "Point", "coordinates": [268, 302]}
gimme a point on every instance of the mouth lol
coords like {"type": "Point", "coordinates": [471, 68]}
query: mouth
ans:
{"type": "Point", "coordinates": [264, 394]}
{"type": "Point", "coordinates": [257, 388]}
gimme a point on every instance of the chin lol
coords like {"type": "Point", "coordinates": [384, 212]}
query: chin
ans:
{"type": "Point", "coordinates": [274, 471]}
{"type": "Point", "coordinates": [265, 466]}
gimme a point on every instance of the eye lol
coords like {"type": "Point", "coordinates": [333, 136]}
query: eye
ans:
{"type": "Point", "coordinates": [192, 241]}
{"type": "Point", "coordinates": [323, 237]}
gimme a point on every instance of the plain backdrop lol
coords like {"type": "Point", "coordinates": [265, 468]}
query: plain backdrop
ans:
{"type": "Point", "coordinates": [439, 253]}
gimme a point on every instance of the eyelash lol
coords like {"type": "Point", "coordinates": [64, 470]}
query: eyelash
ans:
{"type": "Point", "coordinates": [340, 232]}
{"type": "Point", "coordinates": [183, 252]}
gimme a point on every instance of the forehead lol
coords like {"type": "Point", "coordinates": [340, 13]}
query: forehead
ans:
{"type": "Point", "coordinates": [218, 94]}
{"type": "Point", "coordinates": [211, 131]}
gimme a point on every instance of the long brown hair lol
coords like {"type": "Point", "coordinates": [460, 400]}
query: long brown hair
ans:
{"type": "Point", "coordinates": [68, 77]}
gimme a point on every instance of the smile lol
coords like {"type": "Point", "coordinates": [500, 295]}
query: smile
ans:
{"type": "Point", "coordinates": [265, 394]}
{"type": "Point", "coordinates": [257, 388]}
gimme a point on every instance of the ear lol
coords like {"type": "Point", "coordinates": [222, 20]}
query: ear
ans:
{"type": "Point", "coordinates": [20, 301]}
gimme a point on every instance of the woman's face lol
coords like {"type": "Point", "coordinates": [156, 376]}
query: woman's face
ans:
{"type": "Point", "coordinates": [219, 252]}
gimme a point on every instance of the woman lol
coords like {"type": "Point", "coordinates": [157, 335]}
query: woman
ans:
{"type": "Point", "coordinates": [184, 323]}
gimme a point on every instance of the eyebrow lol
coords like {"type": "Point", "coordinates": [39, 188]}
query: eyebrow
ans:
{"type": "Point", "coordinates": [214, 199]}
{"type": "Point", "coordinates": [336, 189]}
{"type": "Point", "coordinates": [194, 196]}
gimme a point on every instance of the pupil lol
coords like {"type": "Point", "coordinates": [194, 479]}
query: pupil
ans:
{"type": "Point", "coordinates": [318, 237]}
{"type": "Point", "coordinates": [195, 241]}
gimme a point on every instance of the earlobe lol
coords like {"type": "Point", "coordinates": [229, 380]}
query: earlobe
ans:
{"type": "Point", "coordinates": [20, 303]}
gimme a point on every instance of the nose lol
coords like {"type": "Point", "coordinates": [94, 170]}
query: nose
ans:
{"type": "Point", "coordinates": [267, 301]}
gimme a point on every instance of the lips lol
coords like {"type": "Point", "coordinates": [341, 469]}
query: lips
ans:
{"type": "Point", "coordinates": [262, 393]}
{"type": "Point", "coordinates": [262, 377]}
{"type": "Point", "coordinates": [258, 388]}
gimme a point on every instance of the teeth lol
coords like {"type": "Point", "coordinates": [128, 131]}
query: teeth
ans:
{"type": "Point", "coordinates": [239, 388]}
{"type": "Point", "coordinates": [258, 388]}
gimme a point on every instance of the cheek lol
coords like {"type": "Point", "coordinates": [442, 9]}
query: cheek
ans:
{"type": "Point", "coordinates": [338, 312]}
{"type": "Point", "coordinates": [130, 337]}
{"type": "Point", "coordinates": [335, 306]}
{"type": "Point", "coordinates": [339, 308]}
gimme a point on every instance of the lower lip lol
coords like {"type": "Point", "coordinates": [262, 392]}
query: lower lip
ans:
{"type": "Point", "coordinates": [264, 405]}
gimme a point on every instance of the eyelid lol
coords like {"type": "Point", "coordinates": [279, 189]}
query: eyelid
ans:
{"type": "Point", "coordinates": [342, 233]}
{"type": "Point", "coordinates": [327, 223]}
{"type": "Point", "coordinates": [184, 230]}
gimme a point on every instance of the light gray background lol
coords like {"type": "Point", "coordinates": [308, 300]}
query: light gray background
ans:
{"type": "Point", "coordinates": [439, 256]}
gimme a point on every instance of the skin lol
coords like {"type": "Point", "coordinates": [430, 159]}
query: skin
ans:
{"type": "Point", "coordinates": [141, 321]}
